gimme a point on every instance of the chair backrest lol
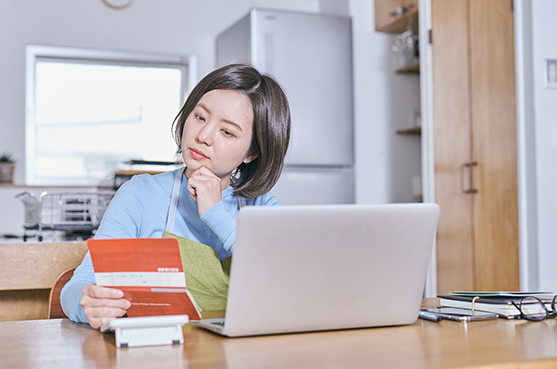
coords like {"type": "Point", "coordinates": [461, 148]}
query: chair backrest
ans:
{"type": "Point", "coordinates": [54, 307]}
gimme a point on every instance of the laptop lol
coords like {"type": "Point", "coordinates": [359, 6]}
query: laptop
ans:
{"type": "Point", "coordinates": [305, 268]}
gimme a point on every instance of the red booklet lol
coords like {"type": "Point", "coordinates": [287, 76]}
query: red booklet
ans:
{"type": "Point", "coordinates": [148, 270]}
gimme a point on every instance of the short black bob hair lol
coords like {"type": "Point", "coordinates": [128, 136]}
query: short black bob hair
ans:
{"type": "Point", "coordinates": [271, 124]}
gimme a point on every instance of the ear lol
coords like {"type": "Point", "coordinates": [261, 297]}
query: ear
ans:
{"type": "Point", "coordinates": [249, 159]}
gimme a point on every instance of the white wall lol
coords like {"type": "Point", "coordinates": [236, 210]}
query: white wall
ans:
{"type": "Point", "coordinates": [179, 27]}
{"type": "Point", "coordinates": [526, 144]}
{"type": "Point", "coordinates": [537, 143]}
{"type": "Point", "coordinates": [544, 46]}
{"type": "Point", "coordinates": [383, 101]}
{"type": "Point", "coordinates": [162, 26]}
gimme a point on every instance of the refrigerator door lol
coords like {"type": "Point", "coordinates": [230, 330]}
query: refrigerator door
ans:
{"type": "Point", "coordinates": [311, 56]}
{"type": "Point", "coordinates": [234, 44]}
{"type": "Point", "coordinates": [307, 186]}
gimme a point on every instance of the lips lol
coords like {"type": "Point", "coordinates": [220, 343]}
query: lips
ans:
{"type": "Point", "coordinates": [198, 154]}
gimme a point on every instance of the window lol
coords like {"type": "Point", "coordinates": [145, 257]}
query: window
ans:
{"type": "Point", "coordinates": [89, 111]}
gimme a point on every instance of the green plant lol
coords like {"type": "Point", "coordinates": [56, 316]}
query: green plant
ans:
{"type": "Point", "coordinates": [7, 158]}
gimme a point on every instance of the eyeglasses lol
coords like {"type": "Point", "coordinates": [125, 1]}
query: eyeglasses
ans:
{"type": "Point", "coordinates": [533, 309]}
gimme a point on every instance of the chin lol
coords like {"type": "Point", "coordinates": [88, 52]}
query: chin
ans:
{"type": "Point", "coordinates": [190, 163]}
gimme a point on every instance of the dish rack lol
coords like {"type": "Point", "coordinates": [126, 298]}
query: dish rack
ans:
{"type": "Point", "coordinates": [72, 212]}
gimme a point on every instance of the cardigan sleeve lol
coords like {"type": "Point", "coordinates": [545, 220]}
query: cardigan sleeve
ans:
{"type": "Point", "coordinates": [125, 214]}
{"type": "Point", "coordinates": [122, 219]}
{"type": "Point", "coordinates": [71, 293]}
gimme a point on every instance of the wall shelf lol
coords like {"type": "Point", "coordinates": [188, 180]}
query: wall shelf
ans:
{"type": "Point", "coordinates": [410, 69]}
{"type": "Point", "coordinates": [416, 131]}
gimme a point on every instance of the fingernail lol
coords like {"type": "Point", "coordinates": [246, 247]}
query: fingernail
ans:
{"type": "Point", "coordinates": [120, 294]}
{"type": "Point", "coordinates": [128, 304]}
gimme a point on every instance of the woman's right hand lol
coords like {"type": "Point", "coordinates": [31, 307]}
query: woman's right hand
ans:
{"type": "Point", "coordinates": [205, 188]}
{"type": "Point", "coordinates": [102, 304]}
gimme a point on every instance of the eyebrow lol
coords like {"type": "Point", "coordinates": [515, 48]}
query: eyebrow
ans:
{"type": "Point", "coordinates": [204, 107]}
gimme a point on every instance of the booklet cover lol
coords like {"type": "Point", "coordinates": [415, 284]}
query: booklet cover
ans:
{"type": "Point", "coordinates": [499, 293]}
{"type": "Point", "coordinates": [148, 270]}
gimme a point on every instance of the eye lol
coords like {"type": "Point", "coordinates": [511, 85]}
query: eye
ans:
{"type": "Point", "coordinates": [227, 133]}
{"type": "Point", "coordinates": [199, 118]}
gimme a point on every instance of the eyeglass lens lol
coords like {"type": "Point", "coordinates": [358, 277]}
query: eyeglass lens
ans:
{"type": "Point", "coordinates": [533, 308]}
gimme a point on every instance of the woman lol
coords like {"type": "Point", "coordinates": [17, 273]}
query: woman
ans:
{"type": "Point", "coordinates": [233, 133]}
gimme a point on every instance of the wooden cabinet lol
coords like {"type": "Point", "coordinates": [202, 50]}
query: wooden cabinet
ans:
{"type": "Point", "coordinates": [474, 134]}
{"type": "Point", "coordinates": [473, 138]}
{"type": "Point", "coordinates": [395, 16]}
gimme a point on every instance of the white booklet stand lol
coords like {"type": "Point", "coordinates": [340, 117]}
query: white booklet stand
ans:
{"type": "Point", "coordinates": [147, 331]}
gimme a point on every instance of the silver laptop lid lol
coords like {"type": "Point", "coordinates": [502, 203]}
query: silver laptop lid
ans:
{"type": "Point", "coordinates": [321, 267]}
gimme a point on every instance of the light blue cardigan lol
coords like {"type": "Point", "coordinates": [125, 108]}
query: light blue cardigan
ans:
{"type": "Point", "coordinates": [140, 209]}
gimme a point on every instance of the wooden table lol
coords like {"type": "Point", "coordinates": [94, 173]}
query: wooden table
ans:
{"type": "Point", "coordinates": [59, 343]}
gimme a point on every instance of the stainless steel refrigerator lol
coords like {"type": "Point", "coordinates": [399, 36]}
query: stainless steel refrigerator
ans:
{"type": "Point", "coordinates": [311, 56]}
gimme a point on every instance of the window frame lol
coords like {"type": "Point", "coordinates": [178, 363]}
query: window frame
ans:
{"type": "Point", "coordinates": [36, 53]}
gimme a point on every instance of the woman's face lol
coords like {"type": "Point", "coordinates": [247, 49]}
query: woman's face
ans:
{"type": "Point", "coordinates": [217, 133]}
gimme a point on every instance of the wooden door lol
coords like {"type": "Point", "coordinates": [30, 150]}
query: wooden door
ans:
{"type": "Point", "coordinates": [475, 145]}
{"type": "Point", "coordinates": [495, 209]}
{"type": "Point", "coordinates": [452, 144]}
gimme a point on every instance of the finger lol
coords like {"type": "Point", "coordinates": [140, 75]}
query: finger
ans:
{"type": "Point", "coordinates": [99, 315]}
{"type": "Point", "coordinates": [201, 183]}
{"type": "Point", "coordinates": [89, 302]}
{"type": "Point", "coordinates": [100, 321]}
{"type": "Point", "coordinates": [204, 171]}
{"type": "Point", "coordinates": [105, 312]}
{"type": "Point", "coordinates": [204, 175]}
{"type": "Point", "coordinates": [205, 182]}
{"type": "Point", "coordinates": [192, 190]}
{"type": "Point", "coordinates": [98, 292]}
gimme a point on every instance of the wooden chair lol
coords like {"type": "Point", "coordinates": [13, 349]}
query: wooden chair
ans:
{"type": "Point", "coordinates": [54, 307]}
{"type": "Point", "coordinates": [28, 270]}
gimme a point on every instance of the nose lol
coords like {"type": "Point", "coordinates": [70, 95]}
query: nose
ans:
{"type": "Point", "coordinates": [206, 134]}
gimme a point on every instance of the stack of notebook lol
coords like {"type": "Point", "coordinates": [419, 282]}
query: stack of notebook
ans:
{"type": "Point", "coordinates": [493, 302]}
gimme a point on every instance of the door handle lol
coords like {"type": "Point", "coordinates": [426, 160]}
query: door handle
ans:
{"type": "Point", "coordinates": [470, 188]}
